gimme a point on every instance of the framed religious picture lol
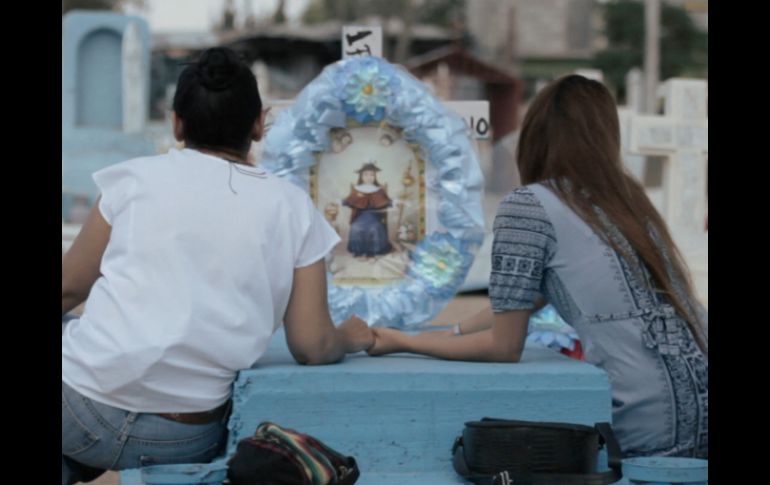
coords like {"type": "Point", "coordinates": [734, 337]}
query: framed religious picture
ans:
{"type": "Point", "coordinates": [394, 173]}
{"type": "Point", "coordinates": [371, 188]}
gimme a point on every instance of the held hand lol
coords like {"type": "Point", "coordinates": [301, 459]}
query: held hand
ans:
{"type": "Point", "coordinates": [387, 341]}
{"type": "Point", "coordinates": [356, 334]}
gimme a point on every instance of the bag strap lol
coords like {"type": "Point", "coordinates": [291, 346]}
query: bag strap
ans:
{"type": "Point", "coordinates": [614, 456]}
{"type": "Point", "coordinates": [507, 477]}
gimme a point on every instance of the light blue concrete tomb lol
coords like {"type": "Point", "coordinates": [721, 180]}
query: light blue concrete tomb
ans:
{"type": "Point", "coordinates": [399, 415]}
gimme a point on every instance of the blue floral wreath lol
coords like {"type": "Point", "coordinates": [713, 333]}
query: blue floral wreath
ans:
{"type": "Point", "coordinates": [369, 89]}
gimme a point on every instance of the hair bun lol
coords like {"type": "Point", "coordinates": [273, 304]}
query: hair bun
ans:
{"type": "Point", "coordinates": [217, 69]}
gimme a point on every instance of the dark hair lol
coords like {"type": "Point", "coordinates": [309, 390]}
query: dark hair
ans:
{"type": "Point", "coordinates": [570, 141]}
{"type": "Point", "coordinates": [361, 177]}
{"type": "Point", "coordinates": [368, 167]}
{"type": "Point", "coordinates": [218, 101]}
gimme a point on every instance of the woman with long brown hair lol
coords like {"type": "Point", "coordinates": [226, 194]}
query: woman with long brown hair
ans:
{"type": "Point", "coordinates": [582, 235]}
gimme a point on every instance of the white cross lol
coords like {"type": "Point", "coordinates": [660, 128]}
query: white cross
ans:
{"type": "Point", "coordinates": [680, 135]}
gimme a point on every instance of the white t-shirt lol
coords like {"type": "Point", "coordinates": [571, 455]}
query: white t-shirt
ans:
{"type": "Point", "coordinates": [194, 281]}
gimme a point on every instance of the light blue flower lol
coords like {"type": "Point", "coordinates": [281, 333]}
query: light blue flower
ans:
{"type": "Point", "coordinates": [367, 89]}
{"type": "Point", "coordinates": [548, 328]}
{"type": "Point", "coordinates": [441, 263]}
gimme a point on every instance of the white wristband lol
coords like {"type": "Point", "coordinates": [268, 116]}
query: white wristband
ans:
{"type": "Point", "coordinates": [456, 329]}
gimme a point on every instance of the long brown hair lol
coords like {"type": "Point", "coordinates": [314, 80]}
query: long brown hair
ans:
{"type": "Point", "coordinates": [570, 141]}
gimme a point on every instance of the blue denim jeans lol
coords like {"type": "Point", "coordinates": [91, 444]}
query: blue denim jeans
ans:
{"type": "Point", "coordinates": [96, 437]}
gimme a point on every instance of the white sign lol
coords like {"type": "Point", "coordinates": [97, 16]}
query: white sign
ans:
{"type": "Point", "coordinates": [476, 116]}
{"type": "Point", "coordinates": [361, 41]}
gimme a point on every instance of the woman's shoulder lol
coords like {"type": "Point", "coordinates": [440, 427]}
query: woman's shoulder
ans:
{"type": "Point", "coordinates": [287, 188]}
{"type": "Point", "coordinates": [522, 208]}
{"type": "Point", "coordinates": [524, 199]}
{"type": "Point", "coordinates": [538, 199]}
{"type": "Point", "coordinates": [131, 169]}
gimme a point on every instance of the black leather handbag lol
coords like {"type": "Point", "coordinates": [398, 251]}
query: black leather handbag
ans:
{"type": "Point", "coordinates": [508, 452]}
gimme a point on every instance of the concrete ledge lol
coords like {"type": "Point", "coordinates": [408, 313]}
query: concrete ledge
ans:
{"type": "Point", "coordinates": [399, 415]}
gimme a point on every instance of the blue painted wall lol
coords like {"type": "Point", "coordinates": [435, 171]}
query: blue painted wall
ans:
{"type": "Point", "coordinates": [92, 106]}
{"type": "Point", "coordinates": [99, 81]}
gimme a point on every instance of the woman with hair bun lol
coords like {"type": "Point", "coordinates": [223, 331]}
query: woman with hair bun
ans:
{"type": "Point", "coordinates": [188, 264]}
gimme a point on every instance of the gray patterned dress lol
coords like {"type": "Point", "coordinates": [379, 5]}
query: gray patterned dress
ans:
{"type": "Point", "coordinates": [658, 375]}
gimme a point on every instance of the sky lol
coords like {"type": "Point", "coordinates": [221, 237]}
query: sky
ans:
{"type": "Point", "coordinates": [200, 15]}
